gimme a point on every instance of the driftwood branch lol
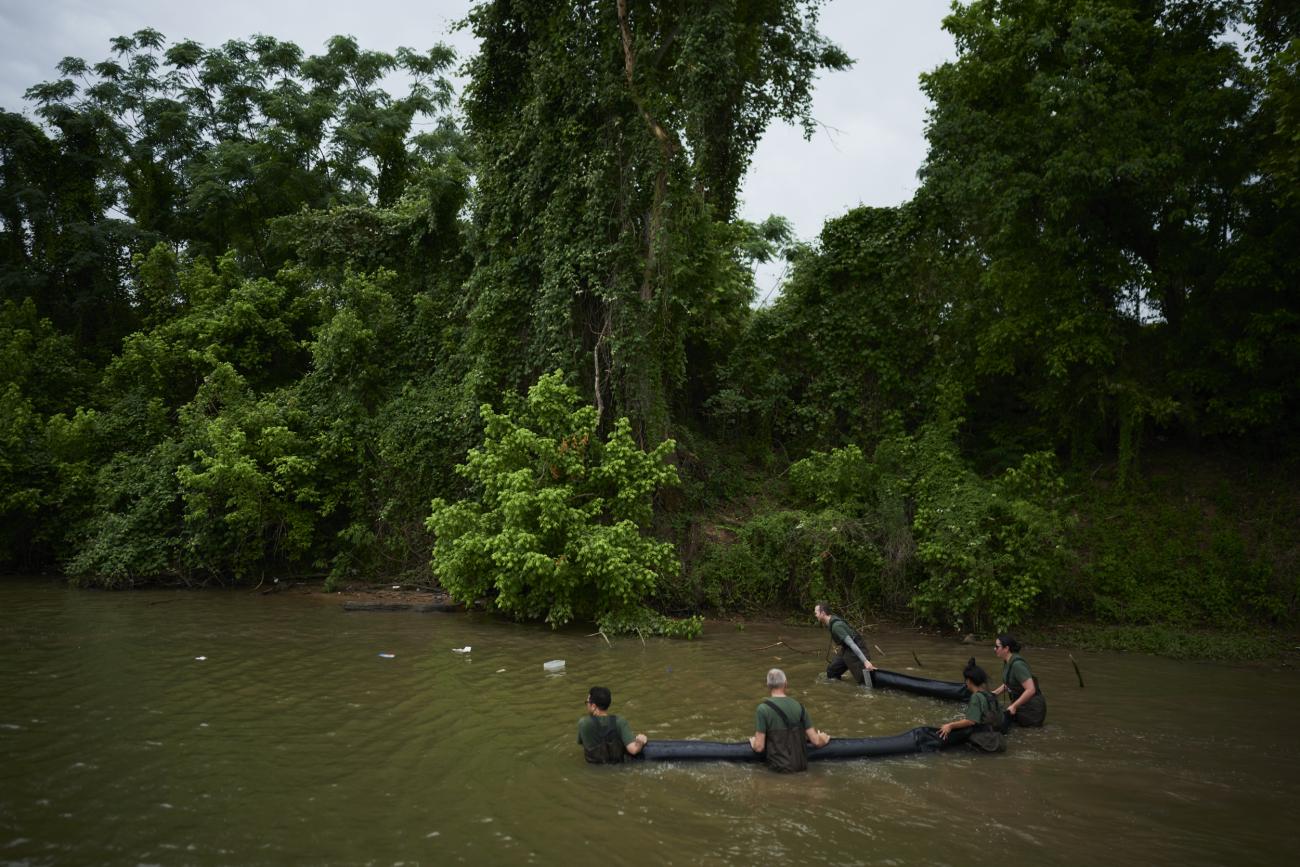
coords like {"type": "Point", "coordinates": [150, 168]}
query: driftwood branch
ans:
{"type": "Point", "coordinates": [779, 643]}
{"type": "Point", "coordinates": [1077, 673]}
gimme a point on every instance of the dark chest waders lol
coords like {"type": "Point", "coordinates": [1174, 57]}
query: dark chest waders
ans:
{"type": "Point", "coordinates": [610, 749]}
{"type": "Point", "coordinates": [785, 750]}
{"type": "Point", "coordinates": [1032, 712]}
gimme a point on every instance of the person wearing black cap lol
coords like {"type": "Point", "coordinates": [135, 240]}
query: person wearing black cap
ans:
{"type": "Point", "coordinates": [605, 738]}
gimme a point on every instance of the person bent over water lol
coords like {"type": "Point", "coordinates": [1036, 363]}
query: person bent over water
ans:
{"type": "Point", "coordinates": [850, 649]}
{"type": "Point", "coordinates": [982, 724]}
{"type": "Point", "coordinates": [782, 729]}
{"type": "Point", "coordinates": [1028, 706]}
{"type": "Point", "coordinates": [606, 738]}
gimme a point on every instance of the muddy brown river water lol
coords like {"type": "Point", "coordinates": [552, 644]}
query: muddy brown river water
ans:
{"type": "Point", "coordinates": [167, 727]}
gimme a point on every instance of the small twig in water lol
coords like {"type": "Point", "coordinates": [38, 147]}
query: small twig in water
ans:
{"type": "Point", "coordinates": [780, 642]}
{"type": "Point", "coordinates": [602, 634]}
{"type": "Point", "coordinates": [918, 660]}
{"type": "Point", "coordinates": [881, 649]}
{"type": "Point", "coordinates": [1077, 673]}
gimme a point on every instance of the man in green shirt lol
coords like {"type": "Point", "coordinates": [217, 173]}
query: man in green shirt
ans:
{"type": "Point", "coordinates": [606, 738]}
{"type": "Point", "coordinates": [782, 728]}
{"type": "Point", "coordinates": [850, 648]}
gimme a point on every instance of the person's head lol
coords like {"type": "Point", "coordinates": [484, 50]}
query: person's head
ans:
{"type": "Point", "coordinates": [776, 679]}
{"type": "Point", "coordinates": [599, 696]}
{"type": "Point", "coordinates": [822, 612]}
{"type": "Point", "coordinates": [975, 676]}
{"type": "Point", "coordinates": [1005, 645]}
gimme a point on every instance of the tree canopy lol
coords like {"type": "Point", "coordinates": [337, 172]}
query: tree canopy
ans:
{"type": "Point", "coordinates": [257, 306]}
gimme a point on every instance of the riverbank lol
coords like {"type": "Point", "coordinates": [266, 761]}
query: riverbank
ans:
{"type": "Point", "coordinates": [1167, 641]}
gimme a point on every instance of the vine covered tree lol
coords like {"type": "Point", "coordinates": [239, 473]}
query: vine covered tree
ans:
{"type": "Point", "coordinates": [613, 135]}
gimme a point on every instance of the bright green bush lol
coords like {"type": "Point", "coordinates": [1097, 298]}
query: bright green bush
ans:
{"type": "Point", "coordinates": [556, 530]}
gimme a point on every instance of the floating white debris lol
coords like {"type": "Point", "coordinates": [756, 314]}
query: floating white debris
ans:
{"type": "Point", "coordinates": [500, 671]}
{"type": "Point", "coordinates": [554, 665]}
{"type": "Point", "coordinates": [199, 658]}
{"type": "Point", "coordinates": [388, 656]}
{"type": "Point", "coordinates": [464, 649]}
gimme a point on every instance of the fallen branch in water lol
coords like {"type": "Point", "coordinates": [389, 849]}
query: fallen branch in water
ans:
{"type": "Point", "coordinates": [779, 643]}
{"type": "Point", "coordinates": [602, 634]}
{"type": "Point", "coordinates": [918, 660]}
{"type": "Point", "coordinates": [1077, 673]}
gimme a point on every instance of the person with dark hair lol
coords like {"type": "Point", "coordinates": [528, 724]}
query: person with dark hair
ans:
{"type": "Point", "coordinates": [606, 738]}
{"type": "Point", "coordinates": [848, 646]}
{"type": "Point", "coordinates": [1028, 706]}
{"type": "Point", "coordinates": [782, 729]}
{"type": "Point", "coordinates": [981, 726]}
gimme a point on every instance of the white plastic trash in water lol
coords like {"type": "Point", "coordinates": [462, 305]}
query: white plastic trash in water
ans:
{"type": "Point", "coordinates": [554, 665]}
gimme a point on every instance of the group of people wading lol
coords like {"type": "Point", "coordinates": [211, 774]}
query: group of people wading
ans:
{"type": "Point", "coordinates": [783, 731]}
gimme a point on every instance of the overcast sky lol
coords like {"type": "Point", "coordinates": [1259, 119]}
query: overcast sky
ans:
{"type": "Point", "coordinates": [867, 151]}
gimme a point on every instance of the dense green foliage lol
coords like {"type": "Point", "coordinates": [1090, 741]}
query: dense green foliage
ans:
{"type": "Point", "coordinates": [254, 305]}
{"type": "Point", "coordinates": [616, 134]}
{"type": "Point", "coordinates": [913, 525]}
{"type": "Point", "coordinates": [556, 528]}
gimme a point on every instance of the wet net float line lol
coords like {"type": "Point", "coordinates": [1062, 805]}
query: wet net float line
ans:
{"type": "Point", "coordinates": [920, 685]}
{"type": "Point", "coordinates": [922, 739]}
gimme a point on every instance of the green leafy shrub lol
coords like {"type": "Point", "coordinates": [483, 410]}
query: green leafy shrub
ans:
{"type": "Point", "coordinates": [643, 621]}
{"type": "Point", "coordinates": [915, 526]}
{"type": "Point", "coordinates": [988, 548]}
{"type": "Point", "coordinates": [1174, 550]}
{"type": "Point", "coordinates": [250, 497]}
{"type": "Point", "coordinates": [556, 529]}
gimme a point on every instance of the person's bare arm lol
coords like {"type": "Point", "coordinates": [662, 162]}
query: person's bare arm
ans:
{"type": "Point", "coordinates": [758, 742]}
{"type": "Point", "coordinates": [817, 737]}
{"type": "Point", "coordinates": [637, 743]}
{"type": "Point", "coordinates": [946, 728]}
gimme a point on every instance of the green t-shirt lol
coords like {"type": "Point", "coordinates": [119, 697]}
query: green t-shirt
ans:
{"type": "Point", "coordinates": [1015, 671]}
{"type": "Point", "coordinates": [979, 703]}
{"type": "Point", "coordinates": [840, 630]}
{"type": "Point", "coordinates": [591, 729]}
{"type": "Point", "coordinates": [766, 719]}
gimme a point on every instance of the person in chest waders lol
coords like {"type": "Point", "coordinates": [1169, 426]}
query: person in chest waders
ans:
{"type": "Point", "coordinates": [1028, 706]}
{"type": "Point", "coordinates": [605, 738]}
{"type": "Point", "coordinates": [849, 647]}
{"type": "Point", "coordinates": [982, 725]}
{"type": "Point", "coordinates": [782, 729]}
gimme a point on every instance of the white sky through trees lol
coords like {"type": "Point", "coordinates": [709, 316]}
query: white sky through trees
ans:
{"type": "Point", "coordinates": [866, 151]}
